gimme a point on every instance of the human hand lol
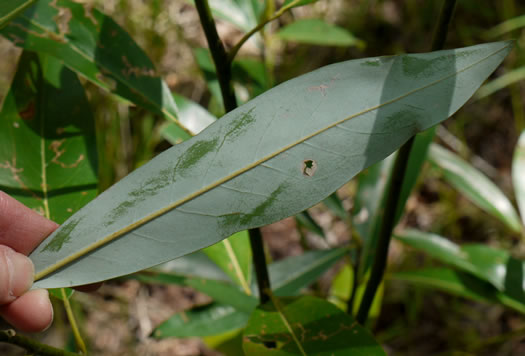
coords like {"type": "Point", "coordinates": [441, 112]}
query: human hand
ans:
{"type": "Point", "coordinates": [21, 230]}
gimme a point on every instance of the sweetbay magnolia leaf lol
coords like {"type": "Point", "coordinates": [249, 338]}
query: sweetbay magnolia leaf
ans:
{"type": "Point", "coordinates": [273, 157]}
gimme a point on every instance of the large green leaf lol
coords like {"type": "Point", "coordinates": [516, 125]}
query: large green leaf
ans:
{"type": "Point", "coordinates": [47, 140]}
{"type": "Point", "coordinates": [476, 186]}
{"type": "Point", "coordinates": [273, 157]}
{"type": "Point", "coordinates": [518, 175]}
{"type": "Point", "coordinates": [487, 263]}
{"type": "Point", "coordinates": [461, 284]}
{"type": "Point", "coordinates": [323, 330]}
{"type": "Point", "coordinates": [318, 32]}
{"type": "Point", "coordinates": [9, 9]}
{"type": "Point", "coordinates": [94, 46]}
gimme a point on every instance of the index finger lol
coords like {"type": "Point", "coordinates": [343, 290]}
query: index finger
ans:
{"type": "Point", "coordinates": [21, 228]}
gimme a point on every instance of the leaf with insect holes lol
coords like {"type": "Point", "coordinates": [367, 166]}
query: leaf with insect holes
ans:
{"type": "Point", "coordinates": [282, 328]}
{"type": "Point", "coordinates": [48, 158]}
{"type": "Point", "coordinates": [248, 169]}
{"type": "Point", "coordinates": [94, 46]}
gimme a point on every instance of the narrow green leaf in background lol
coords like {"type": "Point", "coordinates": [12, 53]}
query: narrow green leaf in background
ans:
{"type": "Point", "coordinates": [511, 77]}
{"type": "Point", "coordinates": [220, 291]}
{"type": "Point", "coordinates": [324, 331]}
{"type": "Point", "coordinates": [335, 204]}
{"type": "Point", "coordinates": [518, 175]}
{"type": "Point", "coordinates": [459, 283]}
{"type": "Point", "coordinates": [234, 256]}
{"type": "Point", "coordinates": [297, 3]}
{"type": "Point", "coordinates": [451, 281]}
{"type": "Point", "coordinates": [9, 9]}
{"type": "Point", "coordinates": [475, 186]}
{"type": "Point", "coordinates": [94, 46]}
{"type": "Point", "coordinates": [506, 26]}
{"type": "Point", "coordinates": [487, 263]}
{"type": "Point", "coordinates": [251, 168]}
{"type": "Point", "coordinates": [318, 32]}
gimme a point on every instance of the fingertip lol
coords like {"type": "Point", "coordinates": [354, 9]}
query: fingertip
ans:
{"type": "Point", "coordinates": [31, 312]}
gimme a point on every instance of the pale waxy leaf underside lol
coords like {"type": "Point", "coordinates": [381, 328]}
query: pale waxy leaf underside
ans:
{"type": "Point", "coordinates": [273, 157]}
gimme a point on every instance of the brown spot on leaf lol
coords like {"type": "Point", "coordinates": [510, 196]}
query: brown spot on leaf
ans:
{"type": "Point", "coordinates": [88, 13]}
{"type": "Point", "coordinates": [323, 87]}
{"type": "Point", "coordinates": [61, 19]}
{"type": "Point", "coordinates": [55, 147]}
{"type": "Point", "coordinates": [136, 71]}
{"type": "Point", "coordinates": [11, 166]}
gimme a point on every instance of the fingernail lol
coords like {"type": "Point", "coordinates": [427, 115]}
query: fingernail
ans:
{"type": "Point", "coordinates": [21, 273]}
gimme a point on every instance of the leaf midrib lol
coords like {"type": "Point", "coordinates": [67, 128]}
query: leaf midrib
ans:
{"type": "Point", "coordinates": [199, 192]}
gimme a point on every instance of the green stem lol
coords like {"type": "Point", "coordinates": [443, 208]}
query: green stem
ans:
{"type": "Point", "coordinates": [354, 263]}
{"type": "Point", "coordinates": [72, 322]}
{"type": "Point", "coordinates": [246, 37]}
{"type": "Point", "coordinates": [395, 185]}
{"type": "Point", "coordinates": [224, 74]}
{"type": "Point", "coordinates": [32, 346]}
{"type": "Point", "coordinates": [440, 35]}
{"type": "Point", "coordinates": [218, 53]}
{"type": "Point", "coordinates": [383, 242]}
{"type": "Point", "coordinates": [259, 261]}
